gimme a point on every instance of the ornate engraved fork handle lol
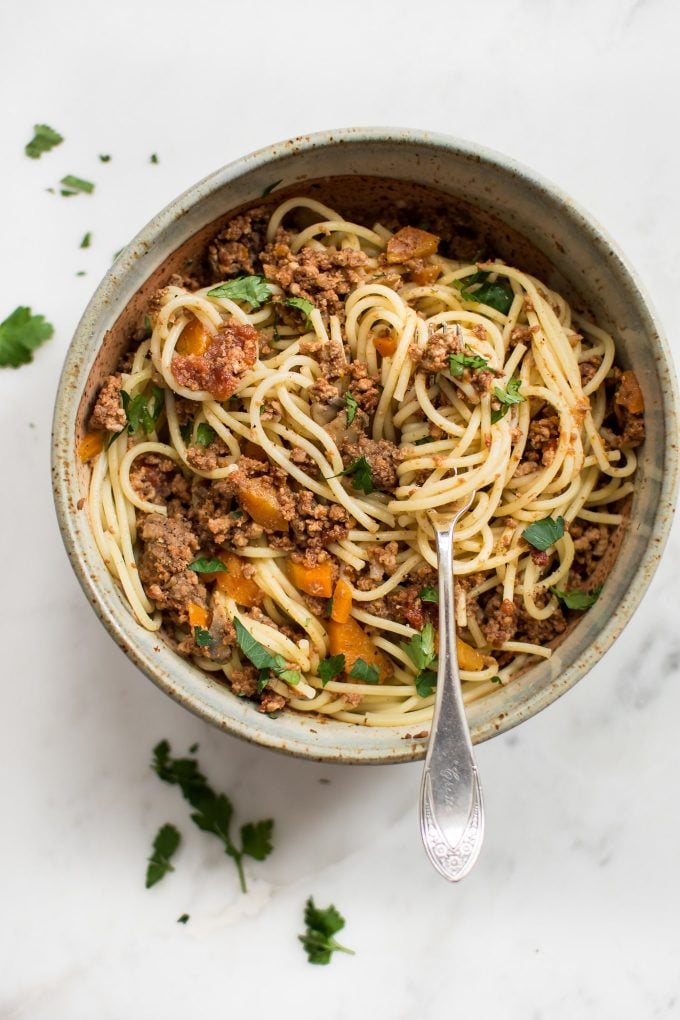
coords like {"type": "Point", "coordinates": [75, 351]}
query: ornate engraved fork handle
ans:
{"type": "Point", "coordinates": [451, 809]}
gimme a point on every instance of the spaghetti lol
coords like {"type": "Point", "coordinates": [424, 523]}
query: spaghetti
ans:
{"type": "Point", "coordinates": [305, 480]}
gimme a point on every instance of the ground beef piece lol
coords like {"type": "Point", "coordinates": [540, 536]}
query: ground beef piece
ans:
{"type": "Point", "coordinates": [207, 458]}
{"type": "Point", "coordinates": [539, 632]}
{"type": "Point", "coordinates": [217, 518]}
{"type": "Point", "coordinates": [323, 391]}
{"type": "Point", "coordinates": [364, 386]}
{"type": "Point", "coordinates": [169, 545]}
{"type": "Point", "coordinates": [522, 335]}
{"type": "Point", "coordinates": [322, 277]}
{"type": "Point", "coordinates": [271, 410]}
{"type": "Point", "coordinates": [305, 461]}
{"type": "Point", "coordinates": [244, 681]}
{"type": "Point", "coordinates": [107, 413]}
{"type": "Point", "coordinates": [219, 370]}
{"type": "Point", "coordinates": [331, 356]}
{"type": "Point", "coordinates": [591, 544]}
{"type": "Point", "coordinates": [542, 439]}
{"type": "Point", "coordinates": [236, 249]}
{"type": "Point", "coordinates": [434, 356]}
{"type": "Point", "coordinates": [382, 456]}
{"type": "Point", "coordinates": [587, 369]}
{"type": "Point", "coordinates": [316, 524]}
{"type": "Point", "coordinates": [156, 479]}
{"type": "Point", "coordinates": [498, 619]}
{"type": "Point", "coordinates": [271, 702]}
{"type": "Point", "coordinates": [185, 410]}
{"type": "Point", "coordinates": [382, 559]}
{"type": "Point", "coordinates": [404, 603]}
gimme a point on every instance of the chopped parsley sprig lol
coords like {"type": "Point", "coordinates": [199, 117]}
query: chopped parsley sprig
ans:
{"type": "Point", "coordinates": [250, 290]}
{"type": "Point", "coordinates": [361, 475]}
{"type": "Point", "coordinates": [322, 925]}
{"type": "Point", "coordinates": [262, 659]}
{"type": "Point", "coordinates": [578, 599]}
{"type": "Point", "coordinates": [213, 812]}
{"type": "Point", "coordinates": [164, 846]}
{"type": "Point", "coordinates": [143, 411]}
{"type": "Point", "coordinates": [421, 650]}
{"type": "Point", "coordinates": [44, 138]}
{"type": "Point", "coordinates": [507, 397]}
{"type": "Point", "coordinates": [543, 534]}
{"type": "Point", "coordinates": [20, 334]}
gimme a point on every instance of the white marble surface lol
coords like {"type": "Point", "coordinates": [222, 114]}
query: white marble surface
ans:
{"type": "Point", "coordinates": [573, 908]}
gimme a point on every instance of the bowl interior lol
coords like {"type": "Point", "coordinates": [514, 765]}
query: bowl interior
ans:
{"type": "Point", "coordinates": [370, 175]}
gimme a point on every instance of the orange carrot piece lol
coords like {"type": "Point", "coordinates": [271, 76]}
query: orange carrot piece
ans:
{"type": "Point", "coordinates": [411, 243]}
{"type": "Point", "coordinates": [91, 444]}
{"type": "Point", "coordinates": [198, 616]}
{"type": "Point", "coordinates": [235, 584]}
{"type": "Point", "coordinates": [385, 345]}
{"type": "Point", "coordinates": [259, 498]}
{"type": "Point", "coordinates": [350, 639]}
{"type": "Point", "coordinates": [468, 657]}
{"type": "Point", "coordinates": [194, 338]}
{"type": "Point", "coordinates": [342, 601]}
{"type": "Point", "coordinates": [317, 581]}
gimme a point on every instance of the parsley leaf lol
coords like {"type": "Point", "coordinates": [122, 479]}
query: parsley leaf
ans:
{"type": "Point", "coordinates": [322, 925]}
{"type": "Point", "coordinates": [459, 362]}
{"type": "Point", "coordinates": [202, 637]}
{"type": "Point", "coordinates": [212, 811]}
{"type": "Point", "coordinates": [164, 846]}
{"type": "Point", "coordinates": [182, 919]}
{"type": "Point", "coordinates": [510, 395]}
{"type": "Point", "coordinates": [86, 241]}
{"type": "Point", "coordinates": [578, 599]}
{"type": "Point", "coordinates": [205, 434]}
{"type": "Point", "coordinates": [426, 681]}
{"type": "Point", "coordinates": [543, 534]}
{"type": "Point", "coordinates": [20, 334]}
{"type": "Point", "coordinates": [252, 290]}
{"type": "Point", "coordinates": [153, 158]}
{"type": "Point", "coordinates": [365, 671]}
{"type": "Point", "coordinates": [420, 649]}
{"type": "Point", "coordinates": [75, 184]}
{"type": "Point", "coordinates": [105, 158]}
{"type": "Point", "coordinates": [44, 139]}
{"type": "Point", "coordinates": [361, 474]}
{"type": "Point", "coordinates": [429, 594]}
{"type": "Point", "coordinates": [186, 431]}
{"type": "Point", "coordinates": [142, 411]}
{"type": "Point", "coordinates": [424, 441]}
{"type": "Point", "coordinates": [302, 305]}
{"type": "Point", "coordinates": [496, 680]}
{"type": "Point", "coordinates": [262, 659]}
{"type": "Point", "coordinates": [498, 295]}
{"type": "Point", "coordinates": [205, 566]}
{"type": "Point", "coordinates": [270, 187]}
{"type": "Point", "coordinates": [331, 667]}
{"type": "Point", "coordinates": [350, 407]}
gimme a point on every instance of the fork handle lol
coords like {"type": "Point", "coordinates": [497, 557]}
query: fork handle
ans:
{"type": "Point", "coordinates": [451, 809]}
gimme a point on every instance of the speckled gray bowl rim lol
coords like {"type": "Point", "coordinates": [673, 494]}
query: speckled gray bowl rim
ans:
{"type": "Point", "coordinates": [183, 682]}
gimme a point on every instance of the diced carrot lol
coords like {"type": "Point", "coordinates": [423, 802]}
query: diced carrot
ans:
{"type": "Point", "coordinates": [259, 498]}
{"type": "Point", "coordinates": [629, 394]}
{"type": "Point", "coordinates": [385, 345]}
{"type": "Point", "coordinates": [194, 338]}
{"type": "Point", "coordinates": [342, 601]}
{"type": "Point", "coordinates": [198, 616]}
{"type": "Point", "coordinates": [91, 444]}
{"type": "Point", "coordinates": [425, 275]}
{"type": "Point", "coordinates": [235, 584]}
{"type": "Point", "coordinates": [350, 639]}
{"type": "Point", "coordinates": [468, 657]}
{"type": "Point", "coordinates": [317, 581]}
{"type": "Point", "coordinates": [411, 243]}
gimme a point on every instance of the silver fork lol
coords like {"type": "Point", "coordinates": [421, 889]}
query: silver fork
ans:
{"type": "Point", "coordinates": [451, 809]}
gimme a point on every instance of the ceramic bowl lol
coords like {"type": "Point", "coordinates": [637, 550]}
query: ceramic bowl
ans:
{"type": "Point", "coordinates": [581, 258]}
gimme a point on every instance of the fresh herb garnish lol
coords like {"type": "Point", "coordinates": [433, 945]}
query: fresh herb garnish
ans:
{"type": "Point", "coordinates": [142, 411]}
{"type": "Point", "coordinates": [204, 566]}
{"type": "Point", "coordinates": [72, 185]}
{"type": "Point", "coordinates": [498, 295]}
{"type": "Point", "coordinates": [205, 434]}
{"type": "Point", "coordinates": [186, 430]}
{"type": "Point", "coordinates": [105, 158]}
{"type": "Point", "coordinates": [202, 637]}
{"type": "Point", "coordinates": [543, 534]}
{"type": "Point", "coordinates": [578, 599]}
{"type": "Point", "coordinates": [459, 362]}
{"type": "Point", "coordinates": [366, 672]}
{"type": "Point", "coordinates": [164, 846]}
{"type": "Point", "coordinates": [496, 680]}
{"type": "Point", "coordinates": [252, 290]}
{"type": "Point", "coordinates": [322, 925]}
{"type": "Point", "coordinates": [510, 395]}
{"type": "Point", "coordinates": [182, 919]}
{"type": "Point", "coordinates": [350, 407]}
{"type": "Point", "coordinates": [20, 334]}
{"type": "Point", "coordinates": [86, 241]}
{"type": "Point", "coordinates": [424, 441]}
{"type": "Point", "coordinates": [81, 272]}
{"type": "Point", "coordinates": [213, 812]}
{"type": "Point", "coordinates": [270, 187]}
{"type": "Point", "coordinates": [261, 658]}
{"type": "Point", "coordinates": [361, 474]}
{"type": "Point", "coordinates": [429, 594]}
{"type": "Point", "coordinates": [153, 158]}
{"type": "Point", "coordinates": [148, 328]}
{"type": "Point", "coordinates": [426, 681]}
{"type": "Point", "coordinates": [44, 139]}
{"type": "Point", "coordinates": [467, 281]}
{"type": "Point", "coordinates": [302, 305]}
{"type": "Point", "coordinates": [331, 667]}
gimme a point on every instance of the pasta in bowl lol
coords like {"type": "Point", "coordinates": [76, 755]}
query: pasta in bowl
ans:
{"type": "Point", "coordinates": [287, 397]}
